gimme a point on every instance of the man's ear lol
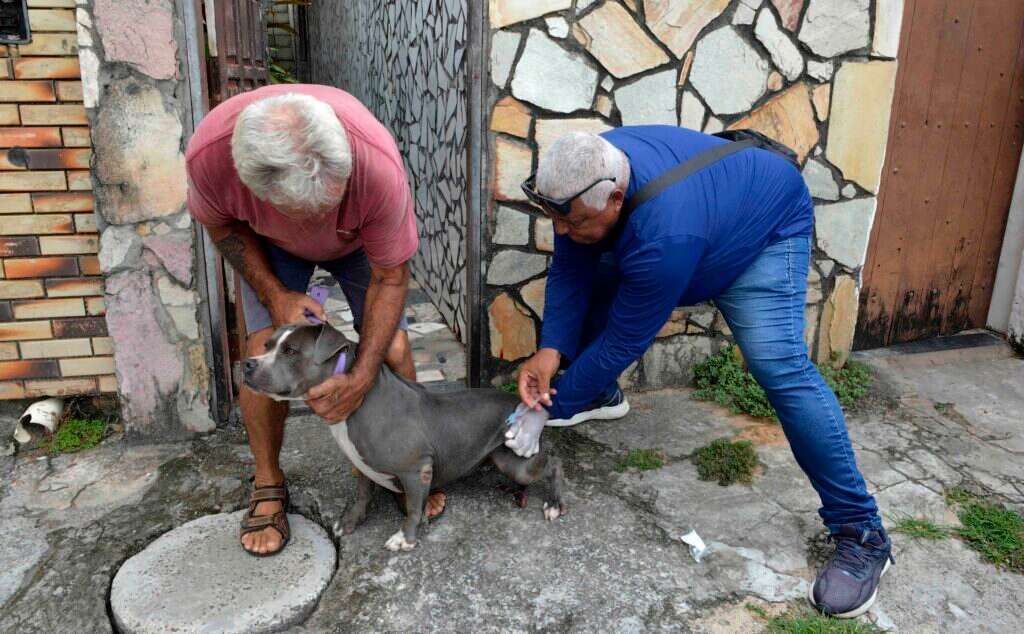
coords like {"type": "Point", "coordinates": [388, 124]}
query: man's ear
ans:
{"type": "Point", "coordinates": [328, 343]}
{"type": "Point", "coordinates": [616, 198]}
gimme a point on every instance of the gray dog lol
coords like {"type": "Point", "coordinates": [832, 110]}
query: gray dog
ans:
{"type": "Point", "coordinates": [402, 437]}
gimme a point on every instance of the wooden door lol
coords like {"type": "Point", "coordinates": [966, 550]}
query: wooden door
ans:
{"type": "Point", "coordinates": [239, 57]}
{"type": "Point", "coordinates": [954, 145]}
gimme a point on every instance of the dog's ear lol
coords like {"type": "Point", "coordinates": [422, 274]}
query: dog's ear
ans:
{"type": "Point", "coordinates": [328, 343]}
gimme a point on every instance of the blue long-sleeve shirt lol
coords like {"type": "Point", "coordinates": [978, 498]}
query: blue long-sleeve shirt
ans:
{"type": "Point", "coordinates": [682, 247]}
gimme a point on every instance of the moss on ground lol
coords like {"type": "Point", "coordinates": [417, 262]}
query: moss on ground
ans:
{"type": "Point", "coordinates": [726, 461]}
{"type": "Point", "coordinates": [77, 434]}
{"type": "Point", "coordinates": [919, 528]}
{"type": "Point", "coordinates": [641, 460]}
{"type": "Point", "coordinates": [994, 531]}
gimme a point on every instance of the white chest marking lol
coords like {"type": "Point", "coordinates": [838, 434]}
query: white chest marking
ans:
{"type": "Point", "coordinates": [340, 433]}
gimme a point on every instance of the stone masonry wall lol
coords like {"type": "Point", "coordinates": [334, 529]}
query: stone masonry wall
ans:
{"type": "Point", "coordinates": [405, 62]}
{"type": "Point", "coordinates": [52, 336]}
{"type": "Point", "coordinates": [138, 104]}
{"type": "Point", "coordinates": [817, 75]}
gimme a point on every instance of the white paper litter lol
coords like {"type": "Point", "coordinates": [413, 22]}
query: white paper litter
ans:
{"type": "Point", "coordinates": [697, 546]}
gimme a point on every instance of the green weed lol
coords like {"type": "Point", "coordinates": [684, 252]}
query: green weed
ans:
{"type": "Point", "coordinates": [919, 528]}
{"type": "Point", "coordinates": [642, 460]}
{"type": "Point", "coordinates": [511, 387]}
{"type": "Point", "coordinates": [994, 531]}
{"type": "Point", "coordinates": [805, 621]}
{"type": "Point", "coordinates": [721, 378]}
{"type": "Point", "coordinates": [726, 461]}
{"type": "Point", "coordinates": [77, 434]}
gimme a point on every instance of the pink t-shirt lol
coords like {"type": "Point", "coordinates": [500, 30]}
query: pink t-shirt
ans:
{"type": "Point", "coordinates": [376, 212]}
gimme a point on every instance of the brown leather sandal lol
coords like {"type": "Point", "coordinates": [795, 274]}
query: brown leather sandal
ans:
{"type": "Point", "coordinates": [278, 521]}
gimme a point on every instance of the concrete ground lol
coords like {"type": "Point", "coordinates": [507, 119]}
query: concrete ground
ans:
{"type": "Point", "coordinates": [614, 563]}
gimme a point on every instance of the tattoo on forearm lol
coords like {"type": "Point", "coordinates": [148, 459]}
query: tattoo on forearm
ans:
{"type": "Point", "coordinates": [233, 250]}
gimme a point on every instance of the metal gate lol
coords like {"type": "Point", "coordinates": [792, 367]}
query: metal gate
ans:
{"type": "Point", "coordinates": [238, 47]}
{"type": "Point", "coordinates": [954, 146]}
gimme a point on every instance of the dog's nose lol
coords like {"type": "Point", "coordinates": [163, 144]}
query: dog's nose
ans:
{"type": "Point", "coordinates": [249, 366]}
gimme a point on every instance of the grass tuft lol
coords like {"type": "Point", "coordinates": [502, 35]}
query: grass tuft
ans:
{"type": "Point", "coordinates": [642, 460]}
{"type": "Point", "coordinates": [804, 621]}
{"type": "Point", "coordinates": [511, 388]}
{"type": "Point", "coordinates": [726, 461]}
{"type": "Point", "coordinates": [920, 528]}
{"type": "Point", "coordinates": [722, 378]}
{"type": "Point", "coordinates": [995, 531]}
{"type": "Point", "coordinates": [77, 434]}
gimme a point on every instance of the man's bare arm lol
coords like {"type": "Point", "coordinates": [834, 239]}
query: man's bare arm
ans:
{"type": "Point", "coordinates": [385, 301]}
{"type": "Point", "coordinates": [239, 245]}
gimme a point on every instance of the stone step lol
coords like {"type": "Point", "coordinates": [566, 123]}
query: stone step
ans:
{"type": "Point", "coordinates": [197, 578]}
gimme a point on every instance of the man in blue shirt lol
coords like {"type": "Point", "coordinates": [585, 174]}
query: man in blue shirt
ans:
{"type": "Point", "coordinates": [737, 232]}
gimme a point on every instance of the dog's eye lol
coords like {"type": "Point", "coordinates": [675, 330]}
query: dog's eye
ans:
{"type": "Point", "coordinates": [288, 350]}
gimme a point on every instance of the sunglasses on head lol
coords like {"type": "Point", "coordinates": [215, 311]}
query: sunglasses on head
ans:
{"type": "Point", "coordinates": [554, 206]}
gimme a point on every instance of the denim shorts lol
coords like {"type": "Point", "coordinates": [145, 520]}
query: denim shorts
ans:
{"type": "Point", "coordinates": [351, 271]}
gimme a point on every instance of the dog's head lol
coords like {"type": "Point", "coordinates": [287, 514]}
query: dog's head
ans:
{"type": "Point", "coordinates": [297, 357]}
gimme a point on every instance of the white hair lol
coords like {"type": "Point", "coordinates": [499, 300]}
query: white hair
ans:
{"type": "Point", "coordinates": [575, 161]}
{"type": "Point", "coordinates": [291, 151]}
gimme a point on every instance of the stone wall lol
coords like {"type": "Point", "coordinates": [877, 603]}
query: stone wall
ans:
{"type": "Point", "coordinates": [138, 106]}
{"type": "Point", "coordinates": [406, 61]}
{"type": "Point", "coordinates": [52, 332]}
{"type": "Point", "coordinates": [817, 75]}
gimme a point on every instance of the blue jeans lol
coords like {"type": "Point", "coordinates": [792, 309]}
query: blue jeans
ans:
{"type": "Point", "coordinates": [351, 271]}
{"type": "Point", "coordinates": [764, 308]}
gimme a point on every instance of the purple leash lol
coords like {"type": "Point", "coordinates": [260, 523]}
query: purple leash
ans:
{"type": "Point", "coordinates": [319, 294]}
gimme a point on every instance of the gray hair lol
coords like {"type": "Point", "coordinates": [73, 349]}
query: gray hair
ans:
{"type": "Point", "coordinates": [577, 160]}
{"type": "Point", "coordinates": [292, 151]}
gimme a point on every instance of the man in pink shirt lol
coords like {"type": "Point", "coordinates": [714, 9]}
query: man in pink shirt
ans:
{"type": "Point", "coordinates": [286, 178]}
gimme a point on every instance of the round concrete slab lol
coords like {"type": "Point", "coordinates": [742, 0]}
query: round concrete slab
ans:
{"type": "Point", "coordinates": [197, 578]}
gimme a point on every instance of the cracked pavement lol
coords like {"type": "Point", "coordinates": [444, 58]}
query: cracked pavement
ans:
{"type": "Point", "coordinates": [614, 563]}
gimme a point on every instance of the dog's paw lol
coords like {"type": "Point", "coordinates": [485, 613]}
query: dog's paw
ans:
{"type": "Point", "coordinates": [397, 542]}
{"type": "Point", "coordinates": [552, 511]}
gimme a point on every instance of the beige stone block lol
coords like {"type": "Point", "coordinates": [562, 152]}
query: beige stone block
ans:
{"type": "Point", "coordinates": [858, 126]}
{"type": "Point", "coordinates": [512, 165]}
{"type": "Point", "coordinates": [533, 295]}
{"type": "Point", "coordinates": [512, 332]}
{"type": "Point", "coordinates": [32, 181]}
{"type": "Point", "coordinates": [811, 313]}
{"type": "Point", "coordinates": [15, 204]}
{"type": "Point", "coordinates": [838, 320]}
{"type": "Point", "coordinates": [46, 308]}
{"type": "Point", "coordinates": [617, 41]}
{"type": "Point", "coordinates": [102, 346]}
{"type": "Point", "coordinates": [64, 245]}
{"type": "Point", "coordinates": [9, 114]}
{"type": "Point", "coordinates": [677, 23]}
{"type": "Point", "coordinates": [788, 118]}
{"type": "Point", "coordinates": [55, 348]}
{"type": "Point", "coordinates": [96, 306]}
{"type": "Point", "coordinates": [511, 117]}
{"type": "Point", "coordinates": [108, 383]}
{"type": "Point", "coordinates": [544, 235]}
{"type": "Point", "coordinates": [774, 81]}
{"type": "Point", "coordinates": [8, 351]}
{"type": "Point", "coordinates": [603, 105]}
{"type": "Point", "coordinates": [505, 12]}
{"type": "Point", "coordinates": [10, 390]}
{"type": "Point", "coordinates": [60, 387]}
{"type": "Point", "coordinates": [52, 20]}
{"type": "Point", "coordinates": [821, 95]}
{"type": "Point", "coordinates": [20, 289]}
{"type": "Point", "coordinates": [24, 330]}
{"type": "Point", "coordinates": [89, 366]}
{"type": "Point", "coordinates": [547, 131]}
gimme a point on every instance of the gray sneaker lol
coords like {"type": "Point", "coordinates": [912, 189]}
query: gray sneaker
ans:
{"type": "Point", "coordinates": [608, 406]}
{"type": "Point", "coordinates": [848, 582]}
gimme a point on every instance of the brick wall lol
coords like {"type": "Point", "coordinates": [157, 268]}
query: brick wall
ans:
{"type": "Point", "coordinates": [53, 337]}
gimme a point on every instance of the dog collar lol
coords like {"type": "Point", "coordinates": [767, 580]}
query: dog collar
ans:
{"type": "Point", "coordinates": [339, 367]}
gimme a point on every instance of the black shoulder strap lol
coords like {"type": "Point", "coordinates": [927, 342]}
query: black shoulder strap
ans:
{"type": "Point", "coordinates": [681, 171]}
